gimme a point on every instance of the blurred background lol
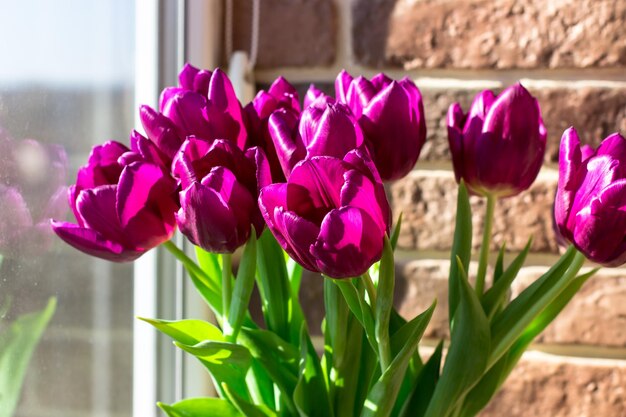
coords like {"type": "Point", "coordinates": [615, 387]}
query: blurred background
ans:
{"type": "Point", "coordinates": [71, 72]}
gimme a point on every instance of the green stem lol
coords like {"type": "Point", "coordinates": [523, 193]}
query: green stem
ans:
{"type": "Point", "coordinates": [370, 288]}
{"type": "Point", "coordinates": [484, 249]}
{"type": "Point", "coordinates": [227, 290]}
{"type": "Point", "coordinates": [189, 264]}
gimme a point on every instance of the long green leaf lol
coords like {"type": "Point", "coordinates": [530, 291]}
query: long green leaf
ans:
{"type": "Point", "coordinates": [278, 359]}
{"type": "Point", "coordinates": [187, 332]}
{"type": "Point", "coordinates": [243, 286]}
{"type": "Point", "coordinates": [228, 363]}
{"type": "Point", "coordinates": [510, 323]}
{"type": "Point", "coordinates": [495, 295]}
{"type": "Point", "coordinates": [359, 308]}
{"type": "Point", "coordinates": [17, 344]}
{"type": "Point", "coordinates": [482, 393]}
{"type": "Point", "coordinates": [424, 386]}
{"type": "Point", "coordinates": [244, 406]}
{"type": "Point", "coordinates": [210, 264]}
{"type": "Point", "coordinates": [384, 303]}
{"type": "Point", "coordinates": [396, 232]}
{"type": "Point", "coordinates": [311, 395]}
{"type": "Point", "coordinates": [461, 248]}
{"type": "Point", "coordinates": [201, 407]}
{"type": "Point", "coordinates": [382, 397]}
{"type": "Point", "coordinates": [468, 353]}
{"type": "Point", "coordinates": [273, 284]}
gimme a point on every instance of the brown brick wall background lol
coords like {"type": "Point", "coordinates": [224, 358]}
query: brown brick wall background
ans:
{"type": "Point", "coordinates": [571, 54]}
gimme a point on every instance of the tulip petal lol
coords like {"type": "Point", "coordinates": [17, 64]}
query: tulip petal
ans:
{"type": "Point", "coordinates": [298, 236]}
{"type": "Point", "coordinates": [283, 129]}
{"type": "Point", "coordinates": [349, 243]}
{"type": "Point", "coordinates": [570, 177]}
{"type": "Point", "coordinates": [342, 84]}
{"type": "Point", "coordinates": [186, 110]}
{"type": "Point", "coordinates": [357, 191]}
{"type": "Point", "coordinates": [93, 243]}
{"type": "Point", "coordinates": [601, 228]}
{"type": "Point", "coordinates": [395, 132]}
{"type": "Point", "coordinates": [102, 167]}
{"type": "Point", "coordinates": [314, 187]}
{"type": "Point", "coordinates": [223, 100]}
{"type": "Point", "coordinates": [207, 221]}
{"type": "Point", "coordinates": [312, 94]}
{"type": "Point", "coordinates": [160, 130]}
{"type": "Point", "coordinates": [336, 133]}
{"type": "Point", "coordinates": [145, 205]}
{"type": "Point", "coordinates": [601, 172]}
{"type": "Point", "coordinates": [97, 210]}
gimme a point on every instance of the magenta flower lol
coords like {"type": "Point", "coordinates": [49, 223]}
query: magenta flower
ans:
{"type": "Point", "coordinates": [280, 95]}
{"type": "Point", "coordinates": [326, 128]}
{"type": "Point", "coordinates": [312, 94]}
{"type": "Point", "coordinates": [498, 147]}
{"type": "Point", "coordinates": [391, 115]}
{"type": "Point", "coordinates": [204, 105]}
{"type": "Point", "coordinates": [122, 210]}
{"type": "Point", "coordinates": [590, 204]}
{"type": "Point", "coordinates": [32, 191]}
{"type": "Point", "coordinates": [220, 186]}
{"type": "Point", "coordinates": [331, 215]}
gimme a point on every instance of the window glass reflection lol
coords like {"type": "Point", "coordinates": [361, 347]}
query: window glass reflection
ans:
{"type": "Point", "coordinates": [66, 83]}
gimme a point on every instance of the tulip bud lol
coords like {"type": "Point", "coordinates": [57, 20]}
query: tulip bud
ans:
{"type": "Point", "coordinates": [331, 215]}
{"type": "Point", "coordinates": [391, 115]}
{"type": "Point", "coordinates": [498, 147]}
{"type": "Point", "coordinates": [590, 204]}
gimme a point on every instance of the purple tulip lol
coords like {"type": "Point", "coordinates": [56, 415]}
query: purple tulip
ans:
{"type": "Point", "coordinates": [498, 147]}
{"type": "Point", "coordinates": [122, 211]}
{"type": "Point", "coordinates": [590, 204]}
{"type": "Point", "coordinates": [326, 128]}
{"type": "Point", "coordinates": [280, 95]}
{"type": "Point", "coordinates": [331, 215]}
{"type": "Point", "coordinates": [32, 190]}
{"type": "Point", "coordinates": [220, 186]}
{"type": "Point", "coordinates": [204, 105]}
{"type": "Point", "coordinates": [312, 94]}
{"type": "Point", "coordinates": [391, 115]}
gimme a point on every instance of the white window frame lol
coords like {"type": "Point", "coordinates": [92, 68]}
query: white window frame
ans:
{"type": "Point", "coordinates": [168, 33]}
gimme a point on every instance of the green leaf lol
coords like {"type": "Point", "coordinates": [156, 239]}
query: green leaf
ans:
{"type": "Point", "coordinates": [294, 271]}
{"type": "Point", "coordinates": [212, 297]}
{"type": "Point", "coordinates": [228, 363]}
{"type": "Point", "coordinates": [482, 393]}
{"type": "Point", "coordinates": [244, 406]}
{"type": "Point", "coordinates": [274, 287]}
{"type": "Point", "coordinates": [210, 264]}
{"type": "Point", "coordinates": [350, 367]}
{"type": "Point", "coordinates": [396, 232]}
{"type": "Point", "coordinates": [499, 267]}
{"type": "Point", "coordinates": [467, 356]}
{"type": "Point", "coordinates": [201, 407]}
{"type": "Point", "coordinates": [311, 394]}
{"type": "Point", "coordinates": [461, 248]}
{"type": "Point", "coordinates": [382, 397]}
{"type": "Point", "coordinates": [424, 386]}
{"type": "Point", "coordinates": [384, 303]}
{"type": "Point", "coordinates": [507, 326]}
{"type": "Point", "coordinates": [359, 308]}
{"type": "Point", "coordinates": [243, 286]}
{"type": "Point", "coordinates": [187, 332]}
{"type": "Point", "coordinates": [496, 294]}
{"type": "Point", "coordinates": [17, 344]}
{"type": "Point", "coordinates": [278, 358]}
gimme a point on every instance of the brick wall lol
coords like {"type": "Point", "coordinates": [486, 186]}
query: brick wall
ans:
{"type": "Point", "coordinates": [571, 54]}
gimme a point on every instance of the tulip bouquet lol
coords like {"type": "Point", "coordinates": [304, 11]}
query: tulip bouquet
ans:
{"type": "Point", "coordinates": [292, 188]}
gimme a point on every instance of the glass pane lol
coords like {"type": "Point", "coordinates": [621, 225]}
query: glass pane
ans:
{"type": "Point", "coordinates": [66, 84]}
